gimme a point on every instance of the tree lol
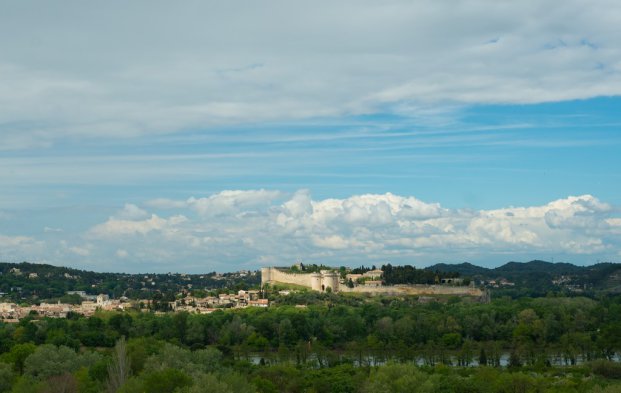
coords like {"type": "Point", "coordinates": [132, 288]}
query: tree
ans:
{"type": "Point", "coordinates": [174, 357]}
{"type": "Point", "coordinates": [166, 381]}
{"type": "Point", "coordinates": [220, 383]}
{"type": "Point", "coordinates": [49, 360]}
{"type": "Point", "coordinates": [65, 383]}
{"type": "Point", "coordinates": [18, 355]}
{"type": "Point", "coordinates": [482, 358]}
{"type": "Point", "coordinates": [6, 377]}
{"type": "Point", "coordinates": [119, 369]}
{"type": "Point", "coordinates": [395, 378]}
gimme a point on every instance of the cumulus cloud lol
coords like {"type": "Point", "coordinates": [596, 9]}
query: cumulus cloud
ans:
{"type": "Point", "coordinates": [228, 202]}
{"type": "Point", "coordinates": [252, 227]}
{"type": "Point", "coordinates": [249, 228]}
{"type": "Point", "coordinates": [131, 212]}
{"type": "Point", "coordinates": [206, 64]}
{"type": "Point", "coordinates": [120, 227]}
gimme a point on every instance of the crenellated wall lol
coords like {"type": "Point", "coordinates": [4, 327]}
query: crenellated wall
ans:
{"type": "Point", "coordinates": [315, 281]}
{"type": "Point", "coordinates": [272, 274]}
{"type": "Point", "coordinates": [417, 290]}
{"type": "Point", "coordinates": [321, 281]}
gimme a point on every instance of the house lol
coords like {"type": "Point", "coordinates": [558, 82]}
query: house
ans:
{"type": "Point", "coordinates": [374, 274]}
{"type": "Point", "coordinates": [258, 303]}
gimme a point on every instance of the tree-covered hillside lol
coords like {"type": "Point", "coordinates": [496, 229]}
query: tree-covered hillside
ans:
{"type": "Point", "coordinates": [31, 282]}
{"type": "Point", "coordinates": [541, 277]}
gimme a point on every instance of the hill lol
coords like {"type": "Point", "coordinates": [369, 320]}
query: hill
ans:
{"type": "Point", "coordinates": [542, 276]}
{"type": "Point", "coordinates": [34, 282]}
{"type": "Point", "coordinates": [464, 269]}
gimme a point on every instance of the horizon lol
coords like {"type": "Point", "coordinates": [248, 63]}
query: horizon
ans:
{"type": "Point", "coordinates": [334, 267]}
{"type": "Point", "coordinates": [213, 136]}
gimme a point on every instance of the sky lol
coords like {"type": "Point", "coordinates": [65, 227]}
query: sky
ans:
{"type": "Point", "coordinates": [203, 136]}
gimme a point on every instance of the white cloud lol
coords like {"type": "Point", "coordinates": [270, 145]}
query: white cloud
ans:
{"type": "Point", "coordinates": [131, 212]}
{"type": "Point", "coordinates": [13, 248]}
{"type": "Point", "coordinates": [335, 242]}
{"type": "Point", "coordinates": [255, 226]}
{"type": "Point", "coordinates": [199, 65]}
{"type": "Point", "coordinates": [13, 241]}
{"type": "Point", "coordinates": [228, 202]}
{"type": "Point", "coordinates": [119, 227]}
{"type": "Point", "coordinates": [249, 228]}
{"type": "Point", "coordinates": [81, 251]}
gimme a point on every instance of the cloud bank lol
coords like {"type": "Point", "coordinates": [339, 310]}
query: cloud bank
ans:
{"type": "Point", "coordinates": [248, 229]}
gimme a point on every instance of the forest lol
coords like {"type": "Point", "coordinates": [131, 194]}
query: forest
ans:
{"type": "Point", "coordinates": [313, 342]}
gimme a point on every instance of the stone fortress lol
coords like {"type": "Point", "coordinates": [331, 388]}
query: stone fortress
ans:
{"type": "Point", "coordinates": [315, 281]}
{"type": "Point", "coordinates": [329, 280]}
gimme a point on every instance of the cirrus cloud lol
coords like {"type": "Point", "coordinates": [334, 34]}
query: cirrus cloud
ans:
{"type": "Point", "coordinates": [205, 64]}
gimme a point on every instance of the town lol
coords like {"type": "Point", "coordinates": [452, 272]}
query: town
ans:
{"type": "Point", "coordinates": [12, 313]}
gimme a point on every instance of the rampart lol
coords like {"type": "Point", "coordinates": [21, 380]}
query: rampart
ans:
{"type": "Point", "coordinates": [321, 282]}
{"type": "Point", "coordinates": [417, 290]}
{"type": "Point", "coordinates": [272, 274]}
{"type": "Point", "coordinates": [316, 281]}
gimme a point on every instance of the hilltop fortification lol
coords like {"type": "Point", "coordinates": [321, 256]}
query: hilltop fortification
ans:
{"type": "Point", "coordinates": [316, 281]}
{"type": "Point", "coordinates": [325, 279]}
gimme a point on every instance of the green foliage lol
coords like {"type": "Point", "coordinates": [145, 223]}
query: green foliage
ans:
{"type": "Point", "coordinates": [614, 388]}
{"type": "Point", "coordinates": [173, 357]}
{"type": "Point", "coordinates": [395, 378]}
{"type": "Point", "coordinates": [264, 385]}
{"type": "Point", "coordinates": [62, 383]}
{"type": "Point", "coordinates": [48, 360]}
{"type": "Point", "coordinates": [166, 380]}
{"type": "Point", "coordinates": [6, 377]}
{"type": "Point", "coordinates": [27, 384]}
{"type": "Point", "coordinates": [139, 349]}
{"type": "Point", "coordinates": [18, 355]}
{"type": "Point", "coordinates": [334, 344]}
{"type": "Point", "coordinates": [338, 379]}
{"type": "Point", "coordinates": [119, 368]}
{"type": "Point", "coordinates": [408, 274]}
{"type": "Point", "coordinates": [606, 369]}
{"type": "Point", "coordinates": [85, 382]}
{"type": "Point", "coordinates": [220, 383]}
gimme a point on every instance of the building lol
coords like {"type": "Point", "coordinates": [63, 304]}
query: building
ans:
{"type": "Point", "coordinates": [325, 280]}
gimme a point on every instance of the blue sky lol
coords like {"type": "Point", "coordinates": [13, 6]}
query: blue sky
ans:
{"type": "Point", "coordinates": [342, 134]}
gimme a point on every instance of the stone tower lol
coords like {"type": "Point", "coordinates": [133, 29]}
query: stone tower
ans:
{"type": "Point", "coordinates": [315, 279]}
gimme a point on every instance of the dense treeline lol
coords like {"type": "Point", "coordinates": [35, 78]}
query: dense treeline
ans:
{"type": "Point", "coordinates": [572, 327]}
{"type": "Point", "coordinates": [331, 344]}
{"type": "Point", "coordinates": [410, 275]}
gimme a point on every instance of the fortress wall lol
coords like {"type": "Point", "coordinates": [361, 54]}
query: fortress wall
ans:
{"type": "Point", "coordinates": [271, 274]}
{"type": "Point", "coordinates": [416, 290]}
{"type": "Point", "coordinates": [331, 280]}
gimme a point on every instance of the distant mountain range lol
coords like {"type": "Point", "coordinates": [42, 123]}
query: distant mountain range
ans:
{"type": "Point", "coordinates": [542, 275]}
